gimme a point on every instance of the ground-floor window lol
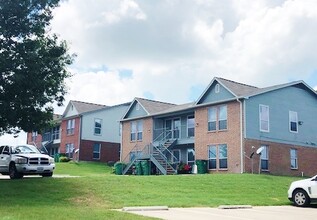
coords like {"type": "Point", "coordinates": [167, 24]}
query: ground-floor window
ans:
{"type": "Point", "coordinates": [190, 157]}
{"type": "Point", "coordinates": [96, 151]}
{"type": "Point", "coordinates": [218, 157]}
{"type": "Point", "coordinates": [294, 164]}
{"type": "Point", "coordinates": [265, 158]}
{"type": "Point", "coordinates": [69, 150]}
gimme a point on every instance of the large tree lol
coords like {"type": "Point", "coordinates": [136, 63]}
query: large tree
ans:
{"type": "Point", "coordinates": [33, 65]}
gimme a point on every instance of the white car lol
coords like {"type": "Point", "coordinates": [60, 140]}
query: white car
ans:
{"type": "Point", "coordinates": [25, 160]}
{"type": "Point", "coordinates": [303, 192]}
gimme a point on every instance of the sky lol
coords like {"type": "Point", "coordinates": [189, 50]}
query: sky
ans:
{"type": "Point", "coordinates": [170, 50]}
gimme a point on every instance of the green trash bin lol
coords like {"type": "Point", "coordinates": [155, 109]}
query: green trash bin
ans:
{"type": "Point", "coordinates": [138, 168]}
{"type": "Point", "coordinates": [119, 168]}
{"type": "Point", "coordinates": [201, 166]}
{"type": "Point", "coordinates": [145, 167]}
{"type": "Point", "coordinates": [56, 157]}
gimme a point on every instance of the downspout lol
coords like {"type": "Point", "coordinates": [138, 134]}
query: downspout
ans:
{"type": "Point", "coordinates": [241, 137]}
{"type": "Point", "coordinates": [80, 135]}
{"type": "Point", "coordinates": [121, 141]}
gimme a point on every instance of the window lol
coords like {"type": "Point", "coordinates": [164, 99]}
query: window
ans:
{"type": "Point", "coordinates": [212, 119]}
{"type": "Point", "coordinates": [177, 156]}
{"type": "Point", "coordinates": [222, 117]}
{"type": "Point", "coordinates": [96, 151]}
{"type": "Point", "coordinates": [137, 106]}
{"type": "Point", "coordinates": [176, 128]}
{"type": "Point", "coordinates": [293, 122]}
{"type": "Point", "coordinates": [223, 156]}
{"type": "Point", "coordinates": [191, 126]}
{"type": "Point", "coordinates": [264, 118]}
{"type": "Point", "coordinates": [70, 126]}
{"type": "Point", "coordinates": [265, 158]}
{"type": "Point", "coordinates": [294, 164]}
{"type": "Point", "coordinates": [190, 157]}
{"type": "Point", "coordinates": [217, 113]}
{"type": "Point", "coordinates": [212, 157]}
{"type": "Point", "coordinates": [97, 129]}
{"type": "Point", "coordinates": [140, 130]}
{"type": "Point", "coordinates": [217, 89]}
{"type": "Point", "coordinates": [69, 150]}
{"type": "Point", "coordinates": [55, 133]}
{"type": "Point", "coordinates": [218, 157]}
{"type": "Point", "coordinates": [34, 136]}
{"type": "Point", "coordinates": [136, 131]}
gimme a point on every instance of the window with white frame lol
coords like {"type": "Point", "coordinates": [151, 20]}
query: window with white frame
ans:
{"type": "Point", "coordinates": [70, 126]}
{"type": "Point", "coordinates": [212, 160]}
{"type": "Point", "coordinates": [294, 163]}
{"type": "Point", "coordinates": [265, 158]}
{"type": "Point", "coordinates": [264, 112]}
{"type": "Point", "coordinates": [217, 88]}
{"type": "Point", "coordinates": [293, 121]}
{"type": "Point", "coordinates": [176, 155]}
{"type": "Point", "coordinates": [34, 136]}
{"type": "Point", "coordinates": [191, 126]}
{"type": "Point", "coordinates": [96, 151]}
{"type": "Point", "coordinates": [69, 150]}
{"type": "Point", "coordinates": [190, 157]}
{"type": "Point", "coordinates": [222, 117]}
{"type": "Point", "coordinates": [212, 119]}
{"type": "Point", "coordinates": [217, 157]}
{"type": "Point", "coordinates": [136, 130]}
{"type": "Point", "coordinates": [97, 128]}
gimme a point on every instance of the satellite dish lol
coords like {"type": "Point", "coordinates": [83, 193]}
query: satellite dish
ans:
{"type": "Point", "coordinates": [259, 151]}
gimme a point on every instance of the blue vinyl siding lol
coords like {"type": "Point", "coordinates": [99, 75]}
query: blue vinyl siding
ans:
{"type": "Point", "coordinates": [211, 96]}
{"type": "Point", "coordinates": [135, 112]}
{"type": "Point", "coordinates": [280, 102]}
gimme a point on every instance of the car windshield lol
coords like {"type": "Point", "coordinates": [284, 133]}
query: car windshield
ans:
{"type": "Point", "coordinates": [25, 149]}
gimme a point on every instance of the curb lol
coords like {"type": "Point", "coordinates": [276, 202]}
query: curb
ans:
{"type": "Point", "coordinates": [235, 207]}
{"type": "Point", "coordinates": [145, 208]}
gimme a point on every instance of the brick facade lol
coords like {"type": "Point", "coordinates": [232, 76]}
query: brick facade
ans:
{"type": "Point", "coordinates": [231, 136]}
{"type": "Point", "coordinates": [146, 136]}
{"type": "Point", "coordinates": [70, 138]}
{"type": "Point", "coordinates": [37, 141]}
{"type": "Point", "coordinates": [279, 158]}
{"type": "Point", "coordinates": [108, 151]}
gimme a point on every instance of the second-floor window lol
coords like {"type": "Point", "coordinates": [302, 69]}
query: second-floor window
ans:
{"type": "Point", "coordinates": [191, 126]}
{"type": "Point", "coordinates": [293, 121]}
{"type": "Point", "coordinates": [217, 118]}
{"type": "Point", "coordinates": [70, 126]}
{"type": "Point", "coordinates": [55, 133]}
{"type": "Point", "coordinates": [34, 136]}
{"type": "Point", "coordinates": [264, 118]}
{"type": "Point", "coordinates": [97, 129]}
{"type": "Point", "coordinates": [136, 132]}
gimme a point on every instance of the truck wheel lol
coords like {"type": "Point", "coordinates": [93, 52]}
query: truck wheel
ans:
{"type": "Point", "coordinates": [14, 174]}
{"type": "Point", "coordinates": [300, 198]}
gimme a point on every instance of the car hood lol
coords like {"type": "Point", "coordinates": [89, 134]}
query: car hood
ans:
{"type": "Point", "coordinates": [32, 155]}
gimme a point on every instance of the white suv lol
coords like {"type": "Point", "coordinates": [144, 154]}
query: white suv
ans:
{"type": "Point", "coordinates": [303, 192]}
{"type": "Point", "coordinates": [25, 160]}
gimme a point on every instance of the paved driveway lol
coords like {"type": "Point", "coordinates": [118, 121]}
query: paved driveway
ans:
{"type": "Point", "coordinates": [254, 213]}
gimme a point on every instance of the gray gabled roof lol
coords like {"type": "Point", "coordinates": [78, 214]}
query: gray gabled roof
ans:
{"type": "Point", "coordinates": [237, 89]}
{"type": "Point", "coordinates": [152, 107]}
{"type": "Point", "coordinates": [83, 107]}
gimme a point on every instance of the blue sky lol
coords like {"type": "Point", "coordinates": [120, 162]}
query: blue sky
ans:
{"type": "Point", "coordinates": [169, 50]}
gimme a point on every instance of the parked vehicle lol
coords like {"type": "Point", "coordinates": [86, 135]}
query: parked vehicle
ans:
{"type": "Point", "coordinates": [303, 192]}
{"type": "Point", "coordinates": [23, 160]}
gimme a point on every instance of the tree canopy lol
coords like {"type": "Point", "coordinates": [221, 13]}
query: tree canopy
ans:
{"type": "Point", "coordinates": [33, 65]}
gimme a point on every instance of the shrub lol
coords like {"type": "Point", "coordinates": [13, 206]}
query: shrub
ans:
{"type": "Point", "coordinates": [64, 159]}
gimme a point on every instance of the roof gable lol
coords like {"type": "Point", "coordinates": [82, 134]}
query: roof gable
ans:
{"type": "Point", "coordinates": [76, 108]}
{"type": "Point", "coordinates": [144, 107]}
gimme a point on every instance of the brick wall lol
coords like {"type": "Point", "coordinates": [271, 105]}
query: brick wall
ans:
{"type": "Point", "coordinates": [231, 136]}
{"type": "Point", "coordinates": [38, 140]}
{"type": "Point", "coordinates": [69, 138]}
{"type": "Point", "coordinates": [128, 145]}
{"type": "Point", "coordinates": [108, 151]}
{"type": "Point", "coordinates": [279, 158]}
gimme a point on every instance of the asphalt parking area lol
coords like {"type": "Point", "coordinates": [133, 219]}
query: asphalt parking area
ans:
{"type": "Point", "coordinates": [253, 213]}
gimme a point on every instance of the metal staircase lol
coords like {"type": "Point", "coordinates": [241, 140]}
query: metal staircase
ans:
{"type": "Point", "coordinates": [159, 154]}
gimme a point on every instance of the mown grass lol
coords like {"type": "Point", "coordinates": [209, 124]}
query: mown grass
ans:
{"type": "Point", "coordinates": [97, 191]}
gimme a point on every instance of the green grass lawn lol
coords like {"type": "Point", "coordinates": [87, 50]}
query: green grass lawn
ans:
{"type": "Point", "coordinates": [97, 191]}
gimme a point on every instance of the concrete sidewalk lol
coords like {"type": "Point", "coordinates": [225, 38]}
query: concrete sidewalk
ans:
{"type": "Point", "coordinates": [253, 213]}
